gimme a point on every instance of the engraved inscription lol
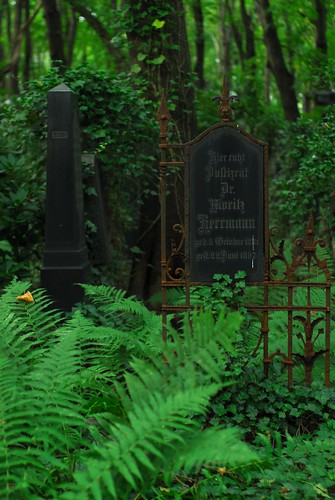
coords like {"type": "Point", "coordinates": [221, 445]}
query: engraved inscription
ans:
{"type": "Point", "coordinates": [59, 134]}
{"type": "Point", "coordinates": [207, 224]}
{"type": "Point", "coordinates": [226, 205]}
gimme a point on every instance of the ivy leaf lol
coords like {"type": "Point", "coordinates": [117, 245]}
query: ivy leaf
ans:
{"type": "Point", "coordinates": [5, 246]}
{"type": "Point", "coordinates": [240, 275]}
{"type": "Point", "coordinates": [141, 56]}
{"type": "Point", "coordinates": [158, 24]}
{"type": "Point", "coordinates": [136, 68]}
{"type": "Point", "coordinates": [157, 60]}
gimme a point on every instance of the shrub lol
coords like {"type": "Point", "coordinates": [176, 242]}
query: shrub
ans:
{"type": "Point", "coordinates": [118, 125]}
{"type": "Point", "coordinates": [303, 165]}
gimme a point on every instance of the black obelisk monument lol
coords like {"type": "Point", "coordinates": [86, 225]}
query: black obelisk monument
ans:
{"type": "Point", "coordinates": [65, 260]}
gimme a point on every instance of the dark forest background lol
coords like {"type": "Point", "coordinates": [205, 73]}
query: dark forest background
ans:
{"type": "Point", "coordinates": [278, 57]}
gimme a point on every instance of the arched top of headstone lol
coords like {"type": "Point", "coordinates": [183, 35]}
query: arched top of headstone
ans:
{"type": "Point", "coordinates": [61, 88]}
{"type": "Point", "coordinates": [226, 128]}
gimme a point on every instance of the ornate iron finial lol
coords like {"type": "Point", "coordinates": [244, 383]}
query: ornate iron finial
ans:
{"type": "Point", "coordinates": [309, 245]}
{"type": "Point", "coordinates": [310, 228]}
{"type": "Point", "coordinates": [225, 111]}
{"type": "Point", "coordinates": [163, 117]}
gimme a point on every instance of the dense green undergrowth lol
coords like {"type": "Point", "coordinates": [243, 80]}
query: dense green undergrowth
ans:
{"type": "Point", "coordinates": [101, 408]}
{"type": "Point", "coordinates": [94, 405]}
{"type": "Point", "coordinates": [109, 108]}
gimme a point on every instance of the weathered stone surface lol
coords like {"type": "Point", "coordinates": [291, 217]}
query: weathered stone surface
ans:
{"type": "Point", "coordinates": [226, 205]}
{"type": "Point", "coordinates": [99, 246]}
{"type": "Point", "coordinates": [65, 257]}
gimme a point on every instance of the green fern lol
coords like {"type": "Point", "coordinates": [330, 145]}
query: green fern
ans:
{"type": "Point", "coordinates": [38, 320]}
{"type": "Point", "coordinates": [39, 419]}
{"type": "Point", "coordinates": [161, 398]}
{"type": "Point", "coordinates": [114, 303]}
{"type": "Point", "coordinates": [89, 411]}
{"type": "Point", "coordinates": [159, 436]}
{"type": "Point", "coordinates": [126, 314]}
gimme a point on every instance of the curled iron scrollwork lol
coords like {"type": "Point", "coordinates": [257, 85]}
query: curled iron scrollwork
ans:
{"type": "Point", "coordinates": [278, 263]}
{"type": "Point", "coordinates": [177, 258]}
{"type": "Point", "coordinates": [308, 339]}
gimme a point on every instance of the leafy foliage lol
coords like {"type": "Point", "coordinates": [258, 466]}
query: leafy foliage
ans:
{"type": "Point", "coordinates": [86, 421]}
{"type": "Point", "coordinates": [299, 467]}
{"type": "Point", "coordinates": [95, 405]}
{"type": "Point", "coordinates": [22, 195]}
{"type": "Point", "coordinates": [226, 291]}
{"type": "Point", "coordinates": [40, 418]}
{"type": "Point", "coordinates": [110, 107]}
{"type": "Point", "coordinates": [302, 183]}
{"type": "Point", "coordinates": [288, 426]}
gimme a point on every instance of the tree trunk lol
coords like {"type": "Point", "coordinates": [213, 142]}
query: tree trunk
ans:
{"type": "Point", "coordinates": [289, 45]}
{"type": "Point", "coordinates": [321, 26]}
{"type": "Point", "coordinates": [226, 30]}
{"type": "Point", "coordinates": [16, 43]}
{"type": "Point", "coordinates": [54, 28]}
{"type": "Point", "coordinates": [229, 7]}
{"type": "Point", "coordinates": [13, 75]}
{"type": "Point", "coordinates": [283, 77]}
{"type": "Point", "coordinates": [28, 44]}
{"type": "Point", "coordinates": [250, 51]}
{"type": "Point", "coordinates": [267, 84]}
{"type": "Point", "coordinates": [250, 86]}
{"type": "Point", "coordinates": [5, 4]}
{"type": "Point", "coordinates": [71, 35]}
{"type": "Point", "coordinates": [168, 45]}
{"type": "Point", "coordinates": [199, 42]}
{"type": "Point", "coordinates": [2, 46]}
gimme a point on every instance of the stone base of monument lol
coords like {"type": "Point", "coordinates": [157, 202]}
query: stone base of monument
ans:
{"type": "Point", "coordinates": [62, 284]}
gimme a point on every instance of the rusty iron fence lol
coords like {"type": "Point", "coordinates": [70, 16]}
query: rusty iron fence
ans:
{"type": "Point", "coordinates": [304, 285]}
{"type": "Point", "coordinates": [296, 289]}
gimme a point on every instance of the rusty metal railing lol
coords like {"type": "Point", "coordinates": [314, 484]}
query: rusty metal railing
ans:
{"type": "Point", "coordinates": [307, 321]}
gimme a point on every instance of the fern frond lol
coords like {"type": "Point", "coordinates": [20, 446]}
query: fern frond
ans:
{"type": "Point", "coordinates": [214, 445]}
{"type": "Point", "coordinates": [38, 317]}
{"type": "Point", "coordinates": [53, 374]}
{"type": "Point", "coordinates": [109, 300]}
{"type": "Point", "coordinates": [204, 342]}
{"type": "Point", "coordinates": [40, 412]}
{"type": "Point", "coordinates": [160, 398]}
{"type": "Point", "coordinates": [193, 357]}
{"type": "Point", "coordinates": [103, 293]}
{"type": "Point", "coordinates": [15, 338]}
{"type": "Point", "coordinates": [13, 290]}
{"type": "Point", "coordinates": [142, 328]}
{"type": "Point", "coordinates": [253, 295]}
{"type": "Point", "coordinates": [138, 449]}
{"type": "Point", "coordinates": [104, 349]}
{"type": "Point", "coordinates": [103, 358]}
{"type": "Point", "coordinates": [176, 296]}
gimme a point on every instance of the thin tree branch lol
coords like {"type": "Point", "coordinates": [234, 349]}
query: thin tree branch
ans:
{"type": "Point", "coordinates": [15, 53]}
{"type": "Point", "coordinates": [95, 24]}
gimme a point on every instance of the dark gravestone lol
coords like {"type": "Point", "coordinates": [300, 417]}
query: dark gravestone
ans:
{"type": "Point", "coordinates": [99, 246]}
{"type": "Point", "coordinates": [226, 205]}
{"type": "Point", "coordinates": [65, 257]}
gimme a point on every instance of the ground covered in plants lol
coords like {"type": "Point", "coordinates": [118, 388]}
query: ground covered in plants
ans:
{"type": "Point", "coordinates": [94, 405]}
